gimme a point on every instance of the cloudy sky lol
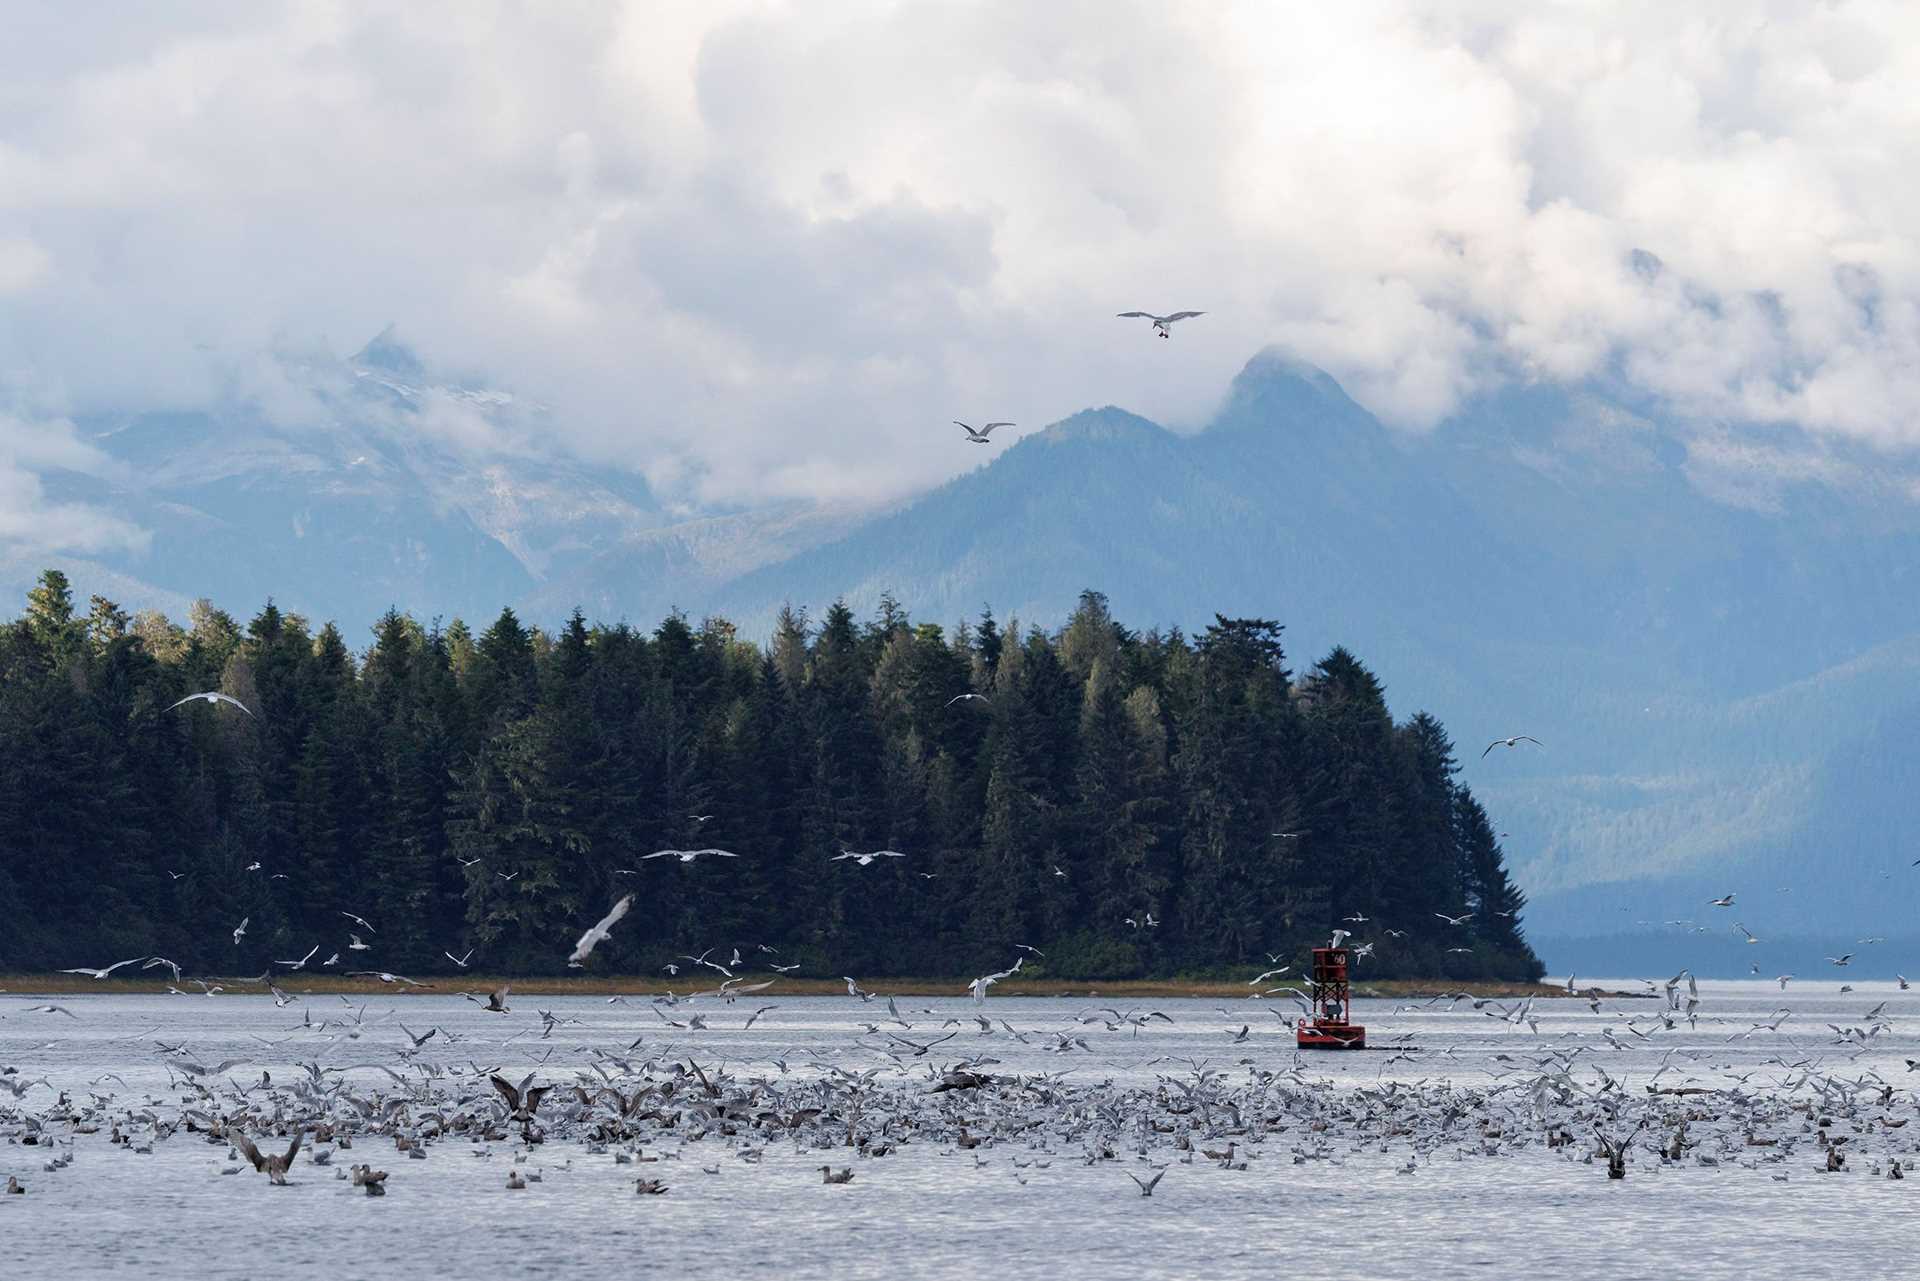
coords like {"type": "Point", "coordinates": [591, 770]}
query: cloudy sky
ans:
{"type": "Point", "coordinates": [762, 250]}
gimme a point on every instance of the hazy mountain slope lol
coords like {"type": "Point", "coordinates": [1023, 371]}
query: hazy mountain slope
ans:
{"type": "Point", "coordinates": [358, 484]}
{"type": "Point", "coordinates": [1697, 646]}
{"type": "Point", "coordinates": [1102, 486]}
{"type": "Point", "coordinates": [1716, 631]}
{"type": "Point", "coordinates": [649, 573]}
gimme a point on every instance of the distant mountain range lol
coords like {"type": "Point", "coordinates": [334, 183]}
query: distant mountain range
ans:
{"type": "Point", "coordinates": [1714, 628]}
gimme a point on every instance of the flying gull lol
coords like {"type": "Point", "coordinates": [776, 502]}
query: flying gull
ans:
{"type": "Point", "coordinates": [213, 697]}
{"type": "Point", "coordinates": [1162, 325]}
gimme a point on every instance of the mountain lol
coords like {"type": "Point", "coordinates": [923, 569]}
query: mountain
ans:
{"type": "Point", "coordinates": [1713, 627]}
{"type": "Point", "coordinates": [346, 486]}
{"type": "Point", "coordinates": [1711, 649]}
{"type": "Point", "coordinates": [648, 573]}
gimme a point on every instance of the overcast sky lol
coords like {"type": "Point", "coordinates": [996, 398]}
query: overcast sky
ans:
{"type": "Point", "coordinates": [766, 250]}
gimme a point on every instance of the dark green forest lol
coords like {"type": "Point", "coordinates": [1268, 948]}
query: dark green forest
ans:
{"type": "Point", "coordinates": [1130, 803]}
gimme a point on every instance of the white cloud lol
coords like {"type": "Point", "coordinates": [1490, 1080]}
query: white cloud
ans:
{"type": "Point", "coordinates": [32, 522]}
{"type": "Point", "coordinates": [23, 265]}
{"type": "Point", "coordinates": [762, 250]}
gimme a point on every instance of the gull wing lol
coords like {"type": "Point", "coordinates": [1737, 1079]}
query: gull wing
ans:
{"type": "Point", "coordinates": [249, 1151]}
{"type": "Point", "coordinates": [600, 929]}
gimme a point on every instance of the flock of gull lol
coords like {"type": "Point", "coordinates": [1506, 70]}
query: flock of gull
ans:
{"type": "Point", "coordinates": [553, 1091]}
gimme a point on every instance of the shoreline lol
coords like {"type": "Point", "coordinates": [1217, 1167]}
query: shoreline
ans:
{"type": "Point", "coordinates": [303, 984]}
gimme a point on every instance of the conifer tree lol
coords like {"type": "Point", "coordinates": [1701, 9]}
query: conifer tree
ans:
{"type": "Point", "coordinates": [1128, 802]}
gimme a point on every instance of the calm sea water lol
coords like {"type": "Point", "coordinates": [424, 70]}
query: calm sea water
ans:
{"type": "Point", "coordinates": [932, 1209]}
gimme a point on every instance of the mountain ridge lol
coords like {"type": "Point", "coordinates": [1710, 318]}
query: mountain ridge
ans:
{"type": "Point", "coordinates": [1696, 650]}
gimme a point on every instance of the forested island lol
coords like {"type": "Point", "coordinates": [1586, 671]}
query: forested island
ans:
{"type": "Point", "coordinates": [1129, 803]}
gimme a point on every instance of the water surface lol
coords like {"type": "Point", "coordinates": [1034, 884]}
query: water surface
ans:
{"type": "Point", "coordinates": [1020, 1205]}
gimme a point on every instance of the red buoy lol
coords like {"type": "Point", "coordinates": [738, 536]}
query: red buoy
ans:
{"type": "Point", "coordinates": [1328, 1028]}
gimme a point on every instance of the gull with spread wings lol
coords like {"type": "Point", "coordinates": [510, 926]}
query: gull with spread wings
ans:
{"type": "Point", "coordinates": [978, 988]}
{"type": "Point", "coordinates": [214, 698]}
{"type": "Point", "coordinates": [90, 972]}
{"type": "Point", "coordinates": [688, 856]}
{"type": "Point", "coordinates": [978, 437]}
{"type": "Point", "coordinates": [865, 860]}
{"type": "Point", "coordinates": [598, 931]}
{"type": "Point", "coordinates": [1162, 325]}
{"type": "Point", "coordinates": [273, 1165]}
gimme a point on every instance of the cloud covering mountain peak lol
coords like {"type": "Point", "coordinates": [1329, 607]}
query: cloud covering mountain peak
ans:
{"type": "Point", "coordinates": [751, 251]}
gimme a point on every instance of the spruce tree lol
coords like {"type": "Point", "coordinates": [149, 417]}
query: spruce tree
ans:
{"type": "Point", "coordinates": [499, 793]}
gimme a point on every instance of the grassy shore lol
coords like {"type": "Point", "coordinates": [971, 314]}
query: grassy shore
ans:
{"type": "Point", "coordinates": [320, 984]}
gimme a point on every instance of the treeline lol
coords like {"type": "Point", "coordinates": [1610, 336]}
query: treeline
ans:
{"type": "Point", "coordinates": [1112, 799]}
